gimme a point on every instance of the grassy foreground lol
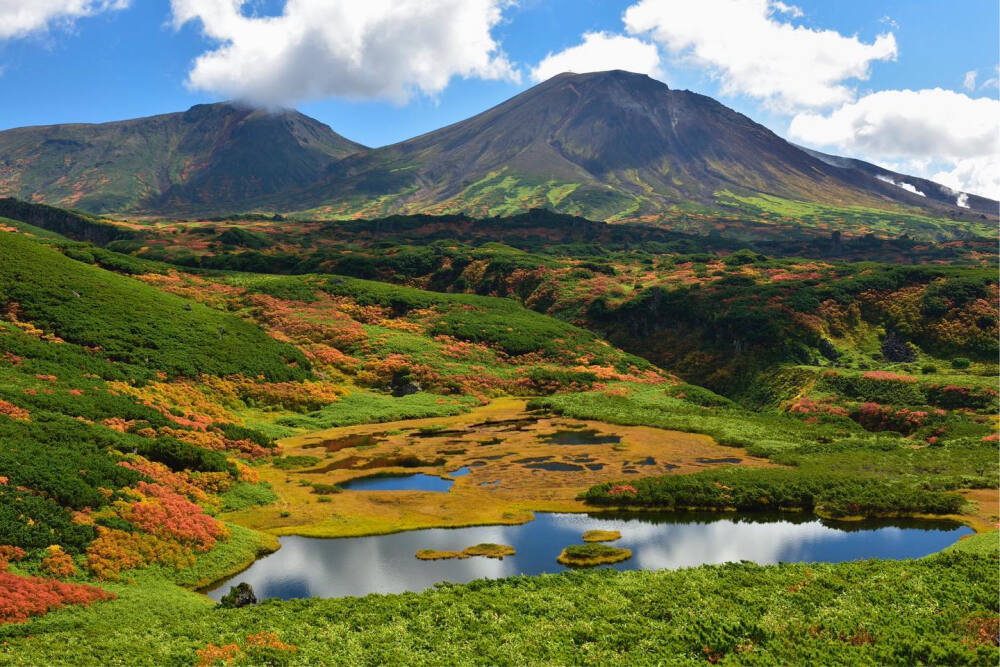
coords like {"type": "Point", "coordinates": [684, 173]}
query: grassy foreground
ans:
{"type": "Point", "coordinates": [938, 610]}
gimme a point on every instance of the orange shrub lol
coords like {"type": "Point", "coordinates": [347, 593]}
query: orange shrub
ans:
{"type": "Point", "coordinates": [115, 551]}
{"type": "Point", "coordinates": [58, 563]}
{"type": "Point", "coordinates": [179, 482]}
{"type": "Point", "coordinates": [214, 655]}
{"type": "Point", "coordinates": [10, 410]}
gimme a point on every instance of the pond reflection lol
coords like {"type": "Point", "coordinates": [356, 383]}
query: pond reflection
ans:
{"type": "Point", "coordinates": [305, 567]}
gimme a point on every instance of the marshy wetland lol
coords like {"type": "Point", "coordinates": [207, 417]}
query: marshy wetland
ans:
{"type": "Point", "coordinates": [494, 465]}
{"type": "Point", "coordinates": [428, 486]}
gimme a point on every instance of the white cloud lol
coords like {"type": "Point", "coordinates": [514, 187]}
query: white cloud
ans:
{"type": "Point", "coordinates": [19, 18]}
{"type": "Point", "coordinates": [601, 51]}
{"type": "Point", "coordinates": [389, 49]}
{"type": "Point", "coordinates": [751, 50]}
{"type": "Point", "coordinates": [791, 10]}
{"type": "Point", "coordinates": [928, 129]}
{"type": "Point", "coordinates": [969, 82]}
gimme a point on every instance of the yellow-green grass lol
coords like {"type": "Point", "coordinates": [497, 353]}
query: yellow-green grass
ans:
{"type": "Point", "coordinates": [496, 491]}
{"type": "Point", "coordinates": [497, 551]}
{"type": "Point", "coordinates": [601, 536]}
{"type": "Point", "coordinates": [591, 555]}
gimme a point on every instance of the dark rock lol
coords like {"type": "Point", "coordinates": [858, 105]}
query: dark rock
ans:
{"type": "Point", "coordinates": [827, 349]}
{"type": "Point", "coordinates": [405, 389]}
{"type": "Point", "coordinates": [240, 595]}
{"type": "Point", "coordinates": [894, 348]}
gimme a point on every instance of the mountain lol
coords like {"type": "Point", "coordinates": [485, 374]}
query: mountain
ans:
{"type": "Point", "coordinates": [605, 145]}
{"type": "Point", "coordinates": [210, 157]}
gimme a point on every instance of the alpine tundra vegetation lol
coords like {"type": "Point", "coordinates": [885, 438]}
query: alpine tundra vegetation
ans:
{"type": "Point", "coordinates": [606, 373]}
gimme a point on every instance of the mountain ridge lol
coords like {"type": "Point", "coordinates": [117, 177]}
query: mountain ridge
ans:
{"type": "Point", "coordinates": [612, 145]}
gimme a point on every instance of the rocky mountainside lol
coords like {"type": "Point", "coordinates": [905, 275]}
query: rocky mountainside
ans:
{"type": "Point", "coordinates": [210, 157]}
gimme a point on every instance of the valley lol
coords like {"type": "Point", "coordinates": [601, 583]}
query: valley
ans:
{"type": "Point", "coordinates": [608, 373]}
{"type": "Point", "coordinates": [171, 421]}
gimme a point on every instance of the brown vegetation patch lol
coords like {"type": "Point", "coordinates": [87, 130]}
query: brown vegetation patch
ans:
{"type": "Point", "coordinates": [497, 551]}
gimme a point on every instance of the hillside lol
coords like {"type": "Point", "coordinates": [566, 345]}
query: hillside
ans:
{"type": "Point", "coordinates": [129, 321]}
{"type": "Point", "coordinates": [140, 402]}
{"type": "Point", "coordinates": [219, 156]}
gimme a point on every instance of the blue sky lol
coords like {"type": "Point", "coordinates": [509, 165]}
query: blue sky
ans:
{"type": "Point", "coordinates": [101, 60]}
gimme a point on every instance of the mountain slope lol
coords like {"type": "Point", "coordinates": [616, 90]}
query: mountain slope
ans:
{"type": "Point", "coordinates": [929, 189]}
{"type": "Point", "coordinates": [606, 145]}
{"type": "Point", "coordinates": [217, 156]}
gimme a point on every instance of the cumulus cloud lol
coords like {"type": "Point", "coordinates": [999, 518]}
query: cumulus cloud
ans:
{"type": "Point", "coordinates": [752, 50]}
{"type": "Point", "coordinates": [601, 51]}
{"type": "Point", "coordinates": [950, 137]}
{"type": "Point", "coordinates": [969, 82]}
{"type": "Point", "coordinates": [388, 49]}
{"type": "Point", "coordinates": [19, 18]}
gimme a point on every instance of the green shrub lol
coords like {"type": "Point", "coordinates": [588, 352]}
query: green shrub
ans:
{"type": "Point", "coordinates": [325, 489]}
{"type": "Point", "coordinates": [134, 322]}
{"type": "Point", "coordinates": [243, 495]}
{"type": "Point", "coordinates": [757, 490]}
{"type": "Point", "coordinates": [293, 462]}
{"type": "Point", "coordinates": [33, 522]}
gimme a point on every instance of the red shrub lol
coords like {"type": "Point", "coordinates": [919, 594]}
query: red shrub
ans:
{"type": "Point", "coordinates": [875, 417]}
{"type": "Point", "coordinates": [9, 553]}
{"type": "Point", "coordinates": [23, 597]}
{"type": "Point", "coordinates": [886, 376]}
{"type": "Point", "coordinates": [169, 515]}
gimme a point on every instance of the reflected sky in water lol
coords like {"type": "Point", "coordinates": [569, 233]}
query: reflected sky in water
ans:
{"type": "Point", "coordinates": [306, 567]}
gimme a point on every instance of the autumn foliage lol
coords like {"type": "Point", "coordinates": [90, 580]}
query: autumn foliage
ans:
{"type": "Point", "coordinates": [58, 563]}
{"type": "Point", "coordinates": [170, 516]}
{"type": "Point", "coordinates": [257, 649]}
{"type": "Point", "coordinates": [8, 409]}
{"type": "Point", "coordinates": [23, 597]}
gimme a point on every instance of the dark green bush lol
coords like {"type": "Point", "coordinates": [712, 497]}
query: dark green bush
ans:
{"type": "Point", "coordinates": [767, 490]}
{"type": "Point", "coordinates": [33, 522]}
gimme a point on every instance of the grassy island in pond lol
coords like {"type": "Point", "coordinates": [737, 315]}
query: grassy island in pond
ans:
{"type": "Point", "coordinates": [497, 551]}
{"type": "Point", "coordinates": [601, 536]}
{"type": "Point", "coordinates": [590, 555]}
